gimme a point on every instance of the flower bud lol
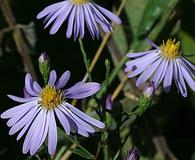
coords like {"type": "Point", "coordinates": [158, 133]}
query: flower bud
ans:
{"type": "Point", "coordinates": [133, 154]}
{"type": "Point", "coordinates": [109, 102]}
{"type": "Point", "coordinates": [149, 90]}
{"type": "Point", "coordinates": [44, 66]}
{"type": "Point", "coordinates": [43, 58]}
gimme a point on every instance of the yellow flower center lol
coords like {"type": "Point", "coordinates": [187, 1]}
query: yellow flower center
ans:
{"type": "Point", "coordinates": [79, 1]}
{"type": "Point", "coordinates": [170, 49]}
{"type": "Point", "coordinates": [50, 97]}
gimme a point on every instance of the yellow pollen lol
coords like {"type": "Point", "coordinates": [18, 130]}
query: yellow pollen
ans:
{"type": "Point", "coordinates": [170, 49]}
{"type": "Point", "coordinates": [79, 1]}
{"type": "Point", "coordinates": [50, 97]}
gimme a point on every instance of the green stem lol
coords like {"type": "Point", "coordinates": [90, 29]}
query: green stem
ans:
{"type": "Point", "coordinates": [37, 156]}
{"type": "Point", "coordinates": [81, 147]}
{"type": "Point", "coordinates": [112, 76]}
{"type": "Point", "coordinates": [105, 147]}
{"type": "Point", "coordinates": [85, 59]}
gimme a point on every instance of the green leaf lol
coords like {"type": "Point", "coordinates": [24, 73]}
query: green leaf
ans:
{"type": "Point", "coordinates": [152, 13]}
{"type": "Point", "coordinates": [188, 46]}
{"type": "Point", "coordinates": [82, 153]}
{"type": "Point", "coordinates": [134, 12]}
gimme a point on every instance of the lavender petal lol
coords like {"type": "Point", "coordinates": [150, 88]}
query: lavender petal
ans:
{"type": "Point", "coordinates": [52, 134]}
{"type": "Point", "coordinates": [11, 112]}
{"type": "Point", "coordinates": [181, 82]}
{"type": "Point", "coordinates": [23, 131]}
{"type": "Point", "coordinates": [85, 117]}
{"type": "Point", "coordinates": [152, 43]}
{"type": "Point", "coordinates": [18, 115]}
{"type": "Point", "coordinates": [141, 65]}
{"type": "Point", "coordinates": [28, 139]}
{"type": "Point", "coordinates": [88, 22]}
{"type": "Point", "coordinates": [29, 85]}
{"type": "Point", "coordinates": [168, 77]}
{"type": "Point", "coordinates": [36, 87]}
{"type": "Point", "coordinates": [139, 54]}
{"type": "Point", "coordinates": [63, 80]}
{"type": "Point", "coordinates": [109, 14]}
{"type": "Point", "coordinates": [70, 23]}
{"type": "Point", "coordinates": [61, 18]}
{"type": "Point", "coordinates": [93, 22]}
{"type": "Point", "coordinates": [159, 73]}
{"type": "Point", "coordinates": [38, 134]}
{"type": "Point", "coordinates": [139, 61]}
{"type": "Point", "coordinates": [82, 90]}
{"type": "Point", "coordinates": [79, 121]}
{"type": "Point", "coordinates": [23, 121]}
{"type": "Point", "coordinates": [175, 75]}
{"type": "Point", "coordinates": [21, 99]}
{"type": "Point", "coordinates": [52, 78]}
{"type": "Point", "coordinates": [77, 23]}
{"type": "Point", "coordinates": [63, 121]}
{"type": "Point", "coordinates": [82, 23]}
{"type": "Point", "coordinates": [47, 123]}
{"type": "Point", "coordinates": [100, 19]}
{"type": "Point", "coordinates": [190, 65]}
{"type": "Point", "coordinates": [49, 9]}
{"type": "Point", "coordinates": [73, 123]}
{"type": "Point", "coordinates": [188, 78]}
{"type": "Point", "coordinates": [26, 94]}
{"type": "Point", "coordinates": [148, 72]}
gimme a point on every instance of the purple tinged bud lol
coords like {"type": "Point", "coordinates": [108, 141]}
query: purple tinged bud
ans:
{"type": "Point", "coordinates": [43, 58]}
{"type": "Point", "coordinates": [149, 89]}
{"type": "Point", "coordinates": [109, 102]}
{"type": "Point", "coordinates": [44, 66]}
{"type": "Point", "coordinates": [133, 154]}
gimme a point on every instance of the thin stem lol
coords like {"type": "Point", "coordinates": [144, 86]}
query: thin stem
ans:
{"type": "Point", "coordinates": [119, 88]}
{"type": "Point", "coordinates": [85, 60]}
{"type": "Point", "coordinates": [18, 38]}
{"type": "Point", "coordinates": [60, 153]}
{"type": "Point", "coordinates": [67, 154]}
{"type": "Point", "coordinates": [105, 146]}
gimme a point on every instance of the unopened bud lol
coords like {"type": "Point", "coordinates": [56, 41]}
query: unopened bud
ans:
{"type": "Point", "coordinates": [146, 99]}
{"type": "Point", "coordinates": [108, 102]}
{"type": "Point", "coordinates": [43, 58]}
{"type": "Point", "coordinates": [44, 66]}
{"type": "Point", "coordinates": [149, 90]}
{"type": "Point", "coordinates": [133, 154]}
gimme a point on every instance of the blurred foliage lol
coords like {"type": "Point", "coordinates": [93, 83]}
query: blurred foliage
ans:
{"type": "Point", "coordinates": [153, 19]}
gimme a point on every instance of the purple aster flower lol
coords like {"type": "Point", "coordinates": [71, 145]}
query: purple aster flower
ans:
{"type": "Point", "coordinates": [36, 116]}
{"type": "Point", "coordinates": [163, 64]}
{"type": "Point", "coordinates": [79, 14]}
